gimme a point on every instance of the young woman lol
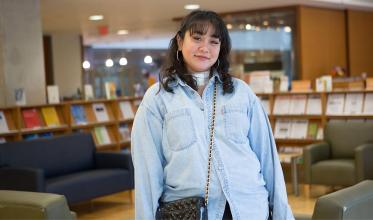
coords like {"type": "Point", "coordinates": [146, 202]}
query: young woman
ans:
{"type": "Point", "coordinates": [171, 133]}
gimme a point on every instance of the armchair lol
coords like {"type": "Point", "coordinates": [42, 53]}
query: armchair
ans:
{"type": "Point", "coordinates": [344, 157]}
{"type": "Point", "coordinates": [350, 203]}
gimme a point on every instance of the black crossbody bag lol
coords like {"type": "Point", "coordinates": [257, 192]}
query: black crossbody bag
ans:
{"type": "Point", "coordinates": [191, 207]}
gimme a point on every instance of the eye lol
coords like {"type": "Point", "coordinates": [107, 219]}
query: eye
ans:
{"type": "Point", "coordinates": [215, 42]}
{"type": "Point", "coordinates": [196, 37]}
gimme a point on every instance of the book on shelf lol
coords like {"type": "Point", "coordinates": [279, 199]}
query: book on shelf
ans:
{"type": "Point", "coordinates": [312, 130]}
{"type": "Point", "coordinates": [282, 128]}
{"type": "Point", "coordinates": [110, 90]}
{"type": "Point", "coordinates": [354, 103]}
{"type": "Point", "coordinates": [265, 104]}
{"type": "Point", "coordinates": [324, 83]}
{"type": "Point", "coordinates": [46, 134]}
{"type": "Point", "coordinates": [125, 132]}
{"type": "Point", "coordinates": [102, 135]}
{"type": "Point", "coordinates": [3, 124]}
{"type": "Point", "coordinates": [88, 92]}
{"type": "Point", "coordinates": [100, 112]}
{"type": "Point", "coordinates": [30, 136]}
{"type": "Point", "coordinates": [299, 129]}
{"type": "Point", "coordinates": [369, 83]}
{"type": "Point", "coordinates": [282, 103]}
{"type": "Point", "coordinates": [260, 81]}
{"type": "Point", "coordinates": [53, 94]}
{"type": "Point", "coordinates": [31, 118]}
{"type": "Point", "coordinates": [301, 85]}
{"type": "Point", "coordinates": [320, 133]}
{"type": "Point", "coordinates": [368, 104]}
{"type": "Point", "coordinates": [50, 116]}
{"type": "Point", "coordinates": [78, 114]}
{"type": "Point", "coordinates": [313, 105]}
{"type": "Point", "coordinates": [298, 104]}
{"type": "Point", "coordinates": [335, 104]}
{"type": "Point", "coordinates": [2, 140]}
{"type": "Point", "coordinates": [126, 109]}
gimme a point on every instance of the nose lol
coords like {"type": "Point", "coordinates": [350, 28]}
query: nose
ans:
{"type": "Point", "coordinates": [203, 47]}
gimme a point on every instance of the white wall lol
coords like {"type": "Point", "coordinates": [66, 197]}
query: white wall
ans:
{"type": "Point", "coordinates": [66, 53]}
{"type": "Point", "coordinates": [21, 51]}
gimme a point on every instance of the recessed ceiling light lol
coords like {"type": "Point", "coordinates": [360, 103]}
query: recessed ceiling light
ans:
{"type": "Point", "coordinates": [191, 6]}
{"type": "Point", "coordinates": [148, 59]}
{"type": "Point", "coordinates": [229, 26]}
{"type": "Point", "coordinates": [122, 32]}
{"type": "Point", "coordinates": [109, 63]}
{"type": "Point", "coordinates": [96, 17]}
{"type": "Point", "coordinates": [86, 64]}
{"type": "Point", "coordinates": [123, 61]}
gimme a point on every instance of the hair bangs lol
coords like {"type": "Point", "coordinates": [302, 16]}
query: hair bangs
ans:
{"type": "Point", "coordinates": [201, 27]}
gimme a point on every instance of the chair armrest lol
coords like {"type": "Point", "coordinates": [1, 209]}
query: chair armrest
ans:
{"type": "Point", "coordinates": [23, 179]}
{"type": "Point", "coordinates": [312, 154]}
{"type": "Point", "coordinates": [364, 163]}
{"type": "Point", "coordinates": [114, 160]}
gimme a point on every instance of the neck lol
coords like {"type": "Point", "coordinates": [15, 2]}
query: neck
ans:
{"type": "Point", "coordinates": [201, 78]}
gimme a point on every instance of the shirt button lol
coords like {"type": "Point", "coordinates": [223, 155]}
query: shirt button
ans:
{"type": "Point", "coordinates": [202, 109]}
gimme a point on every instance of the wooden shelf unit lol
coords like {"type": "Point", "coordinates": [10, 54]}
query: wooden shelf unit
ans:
{"type": "Point", "coordinates": [322, 119]}
{"type": "Point", "coordinates": [18, 121]}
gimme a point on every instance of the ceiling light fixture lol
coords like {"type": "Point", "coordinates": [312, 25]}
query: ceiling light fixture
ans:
{"type": "Point", "coordinates": [229, 26]}
{"type": "Point", "coordinates": [123, 61]}
{"type": "Point", "coordinates": [122, 32]}
{"type": "Point", "coordinates": [148, 59]}
{"type": "Point", "coordinates": [86, 65]}
{"type": "Point", "coordinates": [191, 6]}
{"type": "Point", "coordinates": [248, 26]}
{"type": "Point", "coordinates": [109, 63]}
{"type": "Point", "coordinates": [96, 17]}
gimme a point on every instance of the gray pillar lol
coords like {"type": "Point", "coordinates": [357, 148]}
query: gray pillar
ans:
{"type": "Point", "coordinates": [21, 52]}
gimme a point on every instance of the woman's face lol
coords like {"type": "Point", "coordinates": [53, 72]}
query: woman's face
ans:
{"type": "Point", "coordinates": [200, 51]}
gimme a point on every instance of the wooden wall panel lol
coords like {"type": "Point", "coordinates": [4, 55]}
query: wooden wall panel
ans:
{"type": "Point", "coordinates": [360, 42]}
{"type": "Point", "coordinates": [322, 41]}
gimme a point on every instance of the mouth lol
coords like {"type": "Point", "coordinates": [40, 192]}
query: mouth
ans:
{"type": "Point", "coordinates": [202, 57]}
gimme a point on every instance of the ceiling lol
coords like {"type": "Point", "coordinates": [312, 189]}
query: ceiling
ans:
{"type": "Point", "coordinates": [145, 19]}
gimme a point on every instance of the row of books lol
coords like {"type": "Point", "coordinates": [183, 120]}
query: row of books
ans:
{"type": "Point", "coordinates": [100, 112]}
{"type": "Point", "coordinates": [298, 129]}
{"type": "Point", "coordinates": [294, 104]}
{"type": "Point", "coordinates": [102, 135]}
{"type": "Point", "coordinates": [337, 104]}
{"type": "Point", "coordinates": [32, 118]}
{"type": "Point", "coordinates": [350, 104]}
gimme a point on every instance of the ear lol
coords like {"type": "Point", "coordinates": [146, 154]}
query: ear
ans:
{"type": "Point", "coordinates": [179, 42]}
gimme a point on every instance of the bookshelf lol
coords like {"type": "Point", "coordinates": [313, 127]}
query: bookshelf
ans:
{"type": "Point", "coordinates": [315, 110]}
{"type": "Point", "coordinates": [109, 121]}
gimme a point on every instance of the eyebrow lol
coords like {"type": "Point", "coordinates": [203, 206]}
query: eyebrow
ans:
{"type": "Point", "coordinates": [201, 33]}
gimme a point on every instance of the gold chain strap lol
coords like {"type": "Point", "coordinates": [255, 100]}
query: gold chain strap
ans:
{"type": "Point", "coordinates": [211, 145]}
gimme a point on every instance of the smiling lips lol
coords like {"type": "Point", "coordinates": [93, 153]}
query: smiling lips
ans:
{"type": "Point", "coordinates": [202, 57]}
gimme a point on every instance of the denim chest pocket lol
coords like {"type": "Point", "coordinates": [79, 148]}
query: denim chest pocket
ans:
{"type": "Point", "coordinates": [236, 123]}
{"type": "Point", "coordinates": [179, 128]}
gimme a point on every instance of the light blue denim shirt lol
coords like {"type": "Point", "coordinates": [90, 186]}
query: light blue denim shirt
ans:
{"type": "Point", "coordinates": [170, 141]}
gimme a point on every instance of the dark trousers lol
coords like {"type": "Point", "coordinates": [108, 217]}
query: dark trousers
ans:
{"type": "Point", "coordinates": [227, 212]}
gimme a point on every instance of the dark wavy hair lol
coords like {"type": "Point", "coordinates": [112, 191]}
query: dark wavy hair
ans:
{"type": "Point", "coordinates": [198, 22]}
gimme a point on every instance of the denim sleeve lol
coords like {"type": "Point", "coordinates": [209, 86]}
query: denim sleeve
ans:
{"type": "Point", "coordinates": [147, 159]}
{"type": "Point", "coordinates": [264, 146]}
